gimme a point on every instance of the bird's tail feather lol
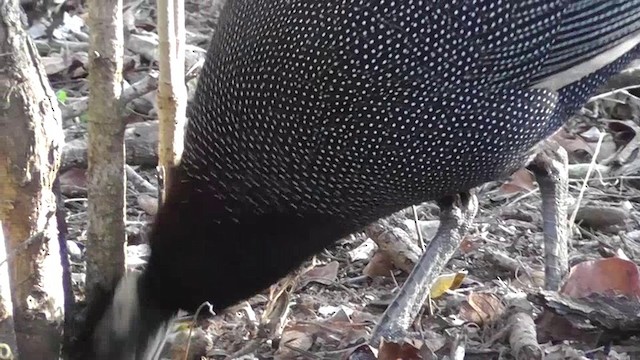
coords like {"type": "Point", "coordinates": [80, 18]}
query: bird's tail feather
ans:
{"type": "Point", "coordinates": [132, 319]}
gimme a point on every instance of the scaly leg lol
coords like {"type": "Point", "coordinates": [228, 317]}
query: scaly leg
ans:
{"type": "Point", "coordinates": [457, 214]}
{"type": "Point", "coordinates": [550, 170]}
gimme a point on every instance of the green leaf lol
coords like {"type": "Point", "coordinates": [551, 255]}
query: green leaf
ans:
{"type": "Point", "coordinates": [62, 96]}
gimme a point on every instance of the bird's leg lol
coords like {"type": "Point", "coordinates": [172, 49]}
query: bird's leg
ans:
{"type": "Point", "coordinates": [457, 214]}
{"type": "Point", "coordinates": [550, 170]}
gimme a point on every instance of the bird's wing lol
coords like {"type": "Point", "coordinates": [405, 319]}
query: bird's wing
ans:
{"type": "Point", "coordinates": [592, 34]}
{"type": "Point", "coordinates": [534, 43]}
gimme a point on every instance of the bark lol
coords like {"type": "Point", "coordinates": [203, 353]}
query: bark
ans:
{"type": "Point", "coordinates": [7, 330]}
{"type": "Point", "coordinates": [172, 92]}
{"type": "Point", "coordinates": [30, 144]}
{"type": "Point", "coordinates": [106, 183]}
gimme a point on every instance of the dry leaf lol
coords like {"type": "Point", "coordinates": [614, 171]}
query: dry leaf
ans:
{"type": "Point", "coordinates": [379, 265]}
{"type": "Point", "coordinates": [291, 341]}
{"type": "Point", "coordinates": [363, 251]}
{"type": "Point", "coordinates": [577, 148]}
{"type": "Point", "coordinates": [623, 131]}
{"type": "Point", "coordinates": [447, 282]}
{"type": "Point", "coordinates": [521, 180]}
{"type": "Point", "coordinates": [481, 308]}
{"type": "Point", "coordinates": [363, 352]}
{"type": "Point", "coordinates": [325, 275]}
{"type": "Point", "coordinates": [609, 276]}
{"type": "Point", "coordinates": [275, 314]}
{"type": "Point", "coordinates": [409, 350]}
{"type": "Point", "coordinates": [468, 245]}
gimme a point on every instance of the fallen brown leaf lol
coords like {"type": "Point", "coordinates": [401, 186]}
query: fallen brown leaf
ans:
{"type": "Point", "coordinates": [521, 180]}
{"type": "Point", "coordinates": [292, 343]}
{"type": "Point", "coordinates": [362, 352]}
{"type": "Point", "coordinates": [393, 351]}
{"type": "Point", "coordinates": [577, 148]}
{"type": "Point", "coordinates": [611, 276]}
{"type": "Point", "coordinates": [481, 308]}
{"type": "Point", "coordinates": [325, 275]}
{"type": "Point", "coordinates": [379, 265]}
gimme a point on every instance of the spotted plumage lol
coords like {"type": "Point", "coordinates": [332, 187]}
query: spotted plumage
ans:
{"type": "Point", "coordinates": [314, 117]}
{"type": "Point", "coordinates": [357, 108]}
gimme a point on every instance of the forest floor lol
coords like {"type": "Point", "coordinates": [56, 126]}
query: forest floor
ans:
{"type": "Point", "coordinates": [329, 306]}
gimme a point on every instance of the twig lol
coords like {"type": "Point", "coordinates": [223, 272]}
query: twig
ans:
{"type": "Point", "coordinates": [136, 90]}
{"type": "Point", "coordinates": [585, 184]}
{"type": "Point", "coordinates": [193, 325]}
{"type": "Point", "coordinates": [458, 348]}
{"type": "Point", "coordinates": [140, 88]}
{"type": "Point", "coordinates": [521, 197]}
{"type": "Point", "coordinates": [612, 92]}
{"type": "Point", "coordinates": [139, 182]}
{"type": "Point", "coordinates": [418, 230]}
{"type": "Point", "coordinates": [249, 348]}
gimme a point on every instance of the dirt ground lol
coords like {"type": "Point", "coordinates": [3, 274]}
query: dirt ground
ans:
{"type": "Point", "coordinates": [491, 288]}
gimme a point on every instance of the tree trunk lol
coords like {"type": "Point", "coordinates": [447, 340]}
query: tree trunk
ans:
{"type": "Point", "coordinates": [7, 329]}
{"type": "Point", "coordinates": [106, 182]}
{"type": "Point", "coordinates": [30, 143]}
{"type": "Point", "coordinates": [172, 91]}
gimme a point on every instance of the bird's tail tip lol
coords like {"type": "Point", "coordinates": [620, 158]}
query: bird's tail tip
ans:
{"type": "Point", "coordinates": [129, 326]}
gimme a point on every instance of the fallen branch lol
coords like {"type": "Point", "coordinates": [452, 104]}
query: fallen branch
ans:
{"type": "Point", "coordinates": [522, 331]}
{"type": "Point", "coordinates": [141, 142]}
{"type": "Point", "coordinates": [134, 91]}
